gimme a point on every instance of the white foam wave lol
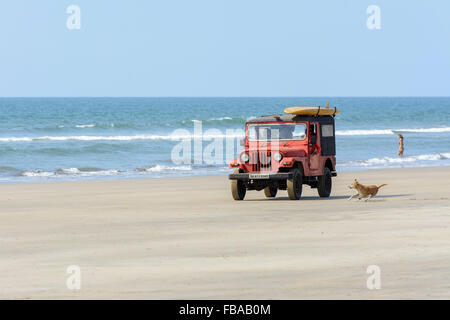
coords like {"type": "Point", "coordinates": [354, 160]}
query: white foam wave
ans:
{"type": "Point", "coordinates": [173, 137]}
{"type": "Point", "coordinates": [162, 168]}
{"type": "Point", "coordinates": [390, 131]}
{"type": "Point", "coordinates": [220, 119]}
{"type": "Point", "coordinates": [85, 126]}
{"type": "Point", "coordinates": [67, 172]}
{"type": "Point", "coordinates": [76, 172]}
{"type": "Point", "coordinates": [427, 130]}
{"type": "Point", "coordinates": [387, 161]}
{"type": "Point", "coordinates": [16, 139]}
{"type": "Point", "coordinates": [362, 132]}
{"type": "Point", "coordinates": [37, 173]}
{"type": "Point", "coordinates": [178, 137]}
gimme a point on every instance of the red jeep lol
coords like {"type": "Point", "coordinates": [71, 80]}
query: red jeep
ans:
{"type": "Point", "coordinates": [285, 152]}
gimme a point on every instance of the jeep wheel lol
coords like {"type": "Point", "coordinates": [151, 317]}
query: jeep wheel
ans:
{"type": "Point", "coordinates": [238, 189]}
{"type": "Point", "coordinates": [270, 192]}
{"type": "Point", "coordinates": [325, 183]}
{"type": "Point", "coordinates": [294, 185]}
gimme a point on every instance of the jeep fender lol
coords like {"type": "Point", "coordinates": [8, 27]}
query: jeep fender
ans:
{"type": "Point", "coordinates": [327, 163]}
{"type": "Point", "coordinates": [302, 165]}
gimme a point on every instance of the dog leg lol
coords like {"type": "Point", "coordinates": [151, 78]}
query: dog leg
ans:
{"type": "Point", "coordinates": [352, 196]}
{"type": "Point", "coordinates": [367, 199]}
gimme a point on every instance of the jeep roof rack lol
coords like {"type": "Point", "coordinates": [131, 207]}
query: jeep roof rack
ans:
{"type": "Point", "coordinates": [291, 117]}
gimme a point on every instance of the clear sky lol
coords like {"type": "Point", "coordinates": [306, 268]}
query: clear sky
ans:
{"type": "Point", "coordinates": [225, 48]}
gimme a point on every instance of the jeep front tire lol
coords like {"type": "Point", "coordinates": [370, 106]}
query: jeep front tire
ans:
{"type": "Point", "coordinates": [238, 189]}
{"type": "Point", "coordinates": [295, 185]}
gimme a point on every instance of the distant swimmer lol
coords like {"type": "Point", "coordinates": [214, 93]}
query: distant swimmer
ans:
{"type": "Point", "coordinates": [401, 147]}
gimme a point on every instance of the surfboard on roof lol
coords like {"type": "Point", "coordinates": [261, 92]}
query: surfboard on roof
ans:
{"type": "Point", "coordinates": [312, 111]}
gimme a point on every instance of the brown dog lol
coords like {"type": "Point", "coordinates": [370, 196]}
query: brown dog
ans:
{"type": "Point", "coordinates": [364, 191]}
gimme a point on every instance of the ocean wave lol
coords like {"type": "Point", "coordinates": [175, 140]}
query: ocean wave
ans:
{"type": "Point", "coordinates": [390, 131]}
{"type": "Point", "coordinates": [37, 173]}
{"type": "Point", "coordinates": [219, 121]}
{"type": "Point", "coordinates": [96, 172]}
{"type": "Point", "coordinates": [67, 127]}
{"type": "Point", "coordinates": [389, 161]}
{"type": "Point", "coordinates": [222, 119]}
{"type": "Point", "coordinates": [173, 137]}
{"type": "Point", "coordinates": [163, 168]}
{"type": "Point", "coordinates": [426, 130]}
{"type": "Point", "coordinates": [226, 120]}
{"type": "Point", "coordinates": [85, 126]}
{"type": "Point", "coordinates": [207, 136]}
{"type": "Point", "coordinates": [166, 170]}
{"type": "Point", "coordinates": [68, 172]}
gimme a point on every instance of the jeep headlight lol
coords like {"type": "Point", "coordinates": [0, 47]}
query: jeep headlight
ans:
{"type": "Point", "coordinates": [277, 156]}
{"type": "Point", "coordinates": [245, 157]}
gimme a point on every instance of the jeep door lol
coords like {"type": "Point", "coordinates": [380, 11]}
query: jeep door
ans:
{"type": "Point", "coordinates": [314, 148]}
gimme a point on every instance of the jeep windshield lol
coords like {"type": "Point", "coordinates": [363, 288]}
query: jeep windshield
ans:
{"type": "Point", "coordinates": [276, 131]}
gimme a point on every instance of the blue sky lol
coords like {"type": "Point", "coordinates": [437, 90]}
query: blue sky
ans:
{"type": "Point", "coordinates": [225, 48]}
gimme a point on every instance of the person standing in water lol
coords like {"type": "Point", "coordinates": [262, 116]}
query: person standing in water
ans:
{"type": "Point", "coordinates": [401, 147]}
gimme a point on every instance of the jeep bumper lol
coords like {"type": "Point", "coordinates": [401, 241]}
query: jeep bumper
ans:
{"type": "Point", "coordinates": [260, 176]}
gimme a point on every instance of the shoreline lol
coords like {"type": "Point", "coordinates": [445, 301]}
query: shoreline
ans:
{"type": "Point", "coordinates": [185, 238]}
{"type": "Point", "coordinates": [117, 177]}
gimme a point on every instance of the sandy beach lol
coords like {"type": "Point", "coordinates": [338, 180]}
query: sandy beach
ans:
{"type": "Point", "coordinates": [185, 238]}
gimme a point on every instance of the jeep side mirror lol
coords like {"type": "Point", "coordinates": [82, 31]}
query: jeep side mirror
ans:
{"type": "Point", "coordinates": [242, 142]}
{"type": "Point", "coordinates": [313, 140]}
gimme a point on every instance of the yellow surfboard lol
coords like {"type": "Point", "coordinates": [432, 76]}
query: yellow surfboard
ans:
{"type": "Point", "coordinates": [312, 111]}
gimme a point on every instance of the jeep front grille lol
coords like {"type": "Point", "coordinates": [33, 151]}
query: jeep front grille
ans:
{"type": "Point", "coordinates": [261, 161]}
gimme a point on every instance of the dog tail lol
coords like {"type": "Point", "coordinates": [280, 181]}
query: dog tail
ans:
{"type": "Point", "coordinates": [382, 186]}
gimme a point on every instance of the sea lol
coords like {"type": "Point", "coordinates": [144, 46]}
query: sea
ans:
{"type": "Point", "coordinates": [52, 139]}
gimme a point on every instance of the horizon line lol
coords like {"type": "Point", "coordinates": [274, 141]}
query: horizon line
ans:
{"type": "Point", "coordinates": [83, 97]}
